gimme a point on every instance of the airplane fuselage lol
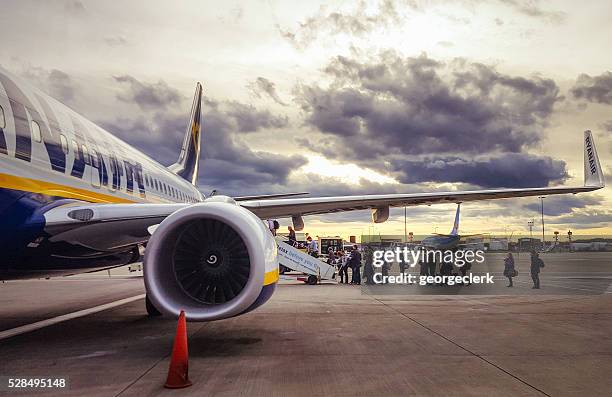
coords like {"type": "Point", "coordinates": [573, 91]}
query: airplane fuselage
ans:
{"type": "Point", "coordinates": [51, 156]}
{"type": "Point", "coordinates": [441, 242]}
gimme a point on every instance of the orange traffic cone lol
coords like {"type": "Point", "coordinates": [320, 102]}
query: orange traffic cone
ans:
{"type": "Point", "coordinates": [178, 373]}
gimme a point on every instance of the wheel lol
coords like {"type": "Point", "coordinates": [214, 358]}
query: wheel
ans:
{"type": "Point", "coordinates": [151, 310]}
{"type": "Point", "coordinates": [312, 280]}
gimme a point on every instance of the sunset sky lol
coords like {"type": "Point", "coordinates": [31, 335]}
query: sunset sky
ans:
{"type": "Point", "coordinates": [345, 98]}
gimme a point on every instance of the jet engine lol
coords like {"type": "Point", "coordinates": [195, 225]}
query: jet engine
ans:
{"type": "Point", "coordinates": [213, 260]}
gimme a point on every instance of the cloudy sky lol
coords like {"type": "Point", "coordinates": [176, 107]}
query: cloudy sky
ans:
{"type": "Point", "coordinates": [347, 97]}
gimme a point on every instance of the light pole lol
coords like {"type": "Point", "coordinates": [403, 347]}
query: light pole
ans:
{"type": "Point", "coordinates": [542, 206]}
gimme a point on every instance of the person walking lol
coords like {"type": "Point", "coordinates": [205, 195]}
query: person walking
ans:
{"type": "Point", "coordinates": [536, 265]}
{"type": "Point", "coordinates": [431, 264]}
{"type": "Point", "coordinates": [343, 265]}
{"type": "Point", "coordinates": [291, 237]}
{"type": "Point", "coordinates": [368, 268]}
{"type": "Point", "coordinates": [313, 247]}
{"type": "Point", "coordinates": [355, 265]}
{"type": "Point", "coordinates": [331, 256]}
{"type": "Point", "coordinates": [509, 270]}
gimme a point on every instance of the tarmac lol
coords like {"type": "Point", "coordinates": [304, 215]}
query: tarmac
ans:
{"type": "Point", "coordinates": [325, 340]}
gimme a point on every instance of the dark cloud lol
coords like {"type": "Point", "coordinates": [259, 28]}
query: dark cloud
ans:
{"type": "Point", "coordinates": [249, 119]}
{"type": "Point", "coordinates": [504, 170]}
{"type": "Point", "coordinates": [597, 89]}
{"type": "Point", "coordinates": [391, 107]}
{"type": "Point", "coordinates": [566, 204]}
{"type": "Point", "coordinates": [589, 219]}
{"type": "Point", "coordinates": [356, 22]}
{"type": "Point", "coordinates": [148, 95]}
{"type": "Point", "coordinates": [262, 86]}
{"type": "Point", "coordinates": [228, 164]}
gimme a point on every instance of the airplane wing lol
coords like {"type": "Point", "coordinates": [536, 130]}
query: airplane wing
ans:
{"type": "Point", "coordinates": [380, 203]}
{"type": "Point", "coordinates": [269, 196]}
{"type": "Point", "coordinates": [112, 226]}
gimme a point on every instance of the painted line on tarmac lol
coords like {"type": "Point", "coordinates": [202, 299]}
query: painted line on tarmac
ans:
{"type": "Point", "coordinates": [65, 317]}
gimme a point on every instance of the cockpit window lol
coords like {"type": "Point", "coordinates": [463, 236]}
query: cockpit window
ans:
{"type": "Point", "coordinates": [2, 120]}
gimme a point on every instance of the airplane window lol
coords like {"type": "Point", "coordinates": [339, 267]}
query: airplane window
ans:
{"type": "Point", "coordinates": [36, 131]}
{"type": "Point", "coordinates": [64, 143]}
{"type": "Point", "coordinates": [2, 120]}
{"type": "Point", "coordinates": [85, 154]}
{"type": "Point", "coordinates": [75, 149]}
{"type": "Point", "coordinates": [94, 158]}
{"type": "Point", "coordinates": [156, 185]}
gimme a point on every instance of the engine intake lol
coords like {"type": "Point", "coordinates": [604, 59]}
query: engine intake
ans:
{"type": "Point", "coordinates": [210, 260]}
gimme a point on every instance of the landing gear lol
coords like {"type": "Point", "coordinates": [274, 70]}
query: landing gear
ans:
{"type": "Point", "coordinates": [151, 310]}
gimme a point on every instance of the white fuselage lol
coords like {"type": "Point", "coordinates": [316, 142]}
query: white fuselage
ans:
{"type": "Point", "coordinates": [49, 149]}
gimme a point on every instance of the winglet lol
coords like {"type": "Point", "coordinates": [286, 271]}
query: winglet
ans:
{"type": "Point", "coordinates": [455, 230]}
{"type": "Point", "coordinates": [593, 175]}
{"type": "Point", "coordinates": [189, 159]}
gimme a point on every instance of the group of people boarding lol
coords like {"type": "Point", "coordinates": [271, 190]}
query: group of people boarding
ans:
{"type": "Point", "coordinates": [345, 261]}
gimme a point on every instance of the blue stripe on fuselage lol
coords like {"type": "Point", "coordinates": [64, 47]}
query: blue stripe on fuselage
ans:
{"type": "Point", "coordinates": [22, 221]}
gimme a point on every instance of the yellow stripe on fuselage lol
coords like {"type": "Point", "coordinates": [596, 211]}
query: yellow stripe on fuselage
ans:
{"type": "Point", "coordinates": [57, 190]}
{"type": "Point", "coordinates": [271, 277]}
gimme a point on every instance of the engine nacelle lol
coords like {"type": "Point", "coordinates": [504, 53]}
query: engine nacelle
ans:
{"type": "Point", "coordinates": [213, 260]}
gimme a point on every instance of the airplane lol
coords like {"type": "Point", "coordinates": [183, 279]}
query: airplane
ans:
{"type": "Point", "coordinates": [74, 198]}
{"type": "Point", "coordinates": [447, 241]}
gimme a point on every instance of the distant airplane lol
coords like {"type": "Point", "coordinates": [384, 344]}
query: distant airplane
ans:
{"type": "Point", "coordinates": [447, 241]}
{"type": "Point", "coordinates": [75, 198]}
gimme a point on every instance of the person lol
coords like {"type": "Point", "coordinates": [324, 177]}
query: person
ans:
{"type": "Point", "coordinates": [312, 247]}
{"type": "Point", "coordinates": [509, 268]}
{"type": "Point", "coordinates": [343, 265]}
{"type": "Point", "coordinates": [292, 240]}
{"type": "Point", "coordinates": [273, 225]}
{"type": "Point", "coordinates": [424, 267]}
{"type": "Point", "coordinates": [431, 264]}
{"type": "Point", "coordinates": [355, 265]}
{"type": "Point", "coordinates": [446, 268]}
{"type": "Point", "coordinates": [331, 257]}
{"type": "Point", "coordinates": [386, 266]}
{"type": "Point", "coordinates": [368, 269]}
{"type": "Point", "coordinates": [536, 265]}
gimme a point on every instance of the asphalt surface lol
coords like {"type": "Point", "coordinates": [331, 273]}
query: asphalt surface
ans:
{"type": "Point", "coordinates": [321, 340]}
